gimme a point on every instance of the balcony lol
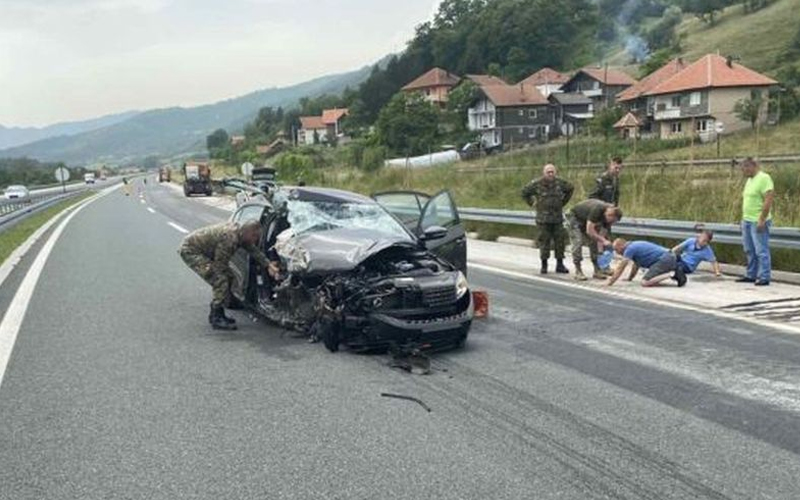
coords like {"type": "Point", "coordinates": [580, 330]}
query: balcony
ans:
{"type": "Point", "coordinates": [592, 92]}
{"type": "Point", "coordinates": [667, 113]}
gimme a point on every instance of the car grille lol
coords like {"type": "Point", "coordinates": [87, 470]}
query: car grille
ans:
{"type": "Point", "coordinates": [439, 296]}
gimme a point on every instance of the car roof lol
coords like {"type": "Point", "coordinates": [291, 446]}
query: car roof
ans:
{"type": "Point", "coordinates": [15, 187]}
{"type": "Point", "coordinates": [306, 193]}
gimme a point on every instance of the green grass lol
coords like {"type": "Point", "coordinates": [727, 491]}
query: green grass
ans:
{"type": "Point", "coordinates": [17, 234]}
{"type": "Point", "coordinates": [757, 38]}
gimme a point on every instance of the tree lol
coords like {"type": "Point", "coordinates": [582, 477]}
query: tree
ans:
{"type": "Point", "coordinates": [217, 140]}
{"type": "Point", "coordinates": [455, 117]}
{"type": "Point", "coordinates": [408, 125]}
{"type": "Point", "coordinates": [749, 109]}
{"type": "Point", "coordinates": [656, 60]}
{"type": "Point", "coordinates": [706, 10]}
{"type": "Point", "coordinates": [662, 34]}
{"type": "Point", "coordinates": [604, 120]}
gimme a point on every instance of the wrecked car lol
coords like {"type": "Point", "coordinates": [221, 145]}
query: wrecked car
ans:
{"type": "Point", "coordinates": [357, 273]}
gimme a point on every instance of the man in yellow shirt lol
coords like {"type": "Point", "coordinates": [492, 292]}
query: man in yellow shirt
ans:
{"type": "Point", "coordinates": [757, 201]}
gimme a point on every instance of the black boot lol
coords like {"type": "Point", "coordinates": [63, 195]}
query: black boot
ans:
{"type": "Point", "coordinates": [560, 267]}
{"type": "Point", "coordinates": [218, 321]}
{"type": "Point", "coordinates": [227, 318]}
{"type": "Point", "coordinates": [543, 270]}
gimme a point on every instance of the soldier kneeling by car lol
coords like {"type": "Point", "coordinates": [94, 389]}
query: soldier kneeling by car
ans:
{"type": "Point", "coordinates": [208, 251]}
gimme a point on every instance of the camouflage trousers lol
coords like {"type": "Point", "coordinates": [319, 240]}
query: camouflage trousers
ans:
{"type": "Point", "coordinates": [551, 235]}
{"type": "Point", "coordinates": [579, 239]}
{"type": "Point", "coordinates": [220, 283]}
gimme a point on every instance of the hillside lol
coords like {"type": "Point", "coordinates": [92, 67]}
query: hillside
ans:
{"type": "Point", "coordinates": [171, 131]}
{"type": "Point", "coordinates": [757, 38]}
{"type": "Point", "coordinates": [17, 136]}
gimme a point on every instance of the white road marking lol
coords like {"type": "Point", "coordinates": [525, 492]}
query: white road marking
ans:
{"type": "Point", "coordinates": [178, 228]}
{"type": "Point", "coordinates": [151, 210]}
{"type": "Point", "coordinates": [14, 316]}
{"type": "Point", "coordinates": [648, 300]}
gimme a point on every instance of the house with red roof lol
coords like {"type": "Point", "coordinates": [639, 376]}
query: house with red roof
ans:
{"type": "Point", "coordinates": [506, 116]}
{"type": "Point", "coordinates": [601, 85]}
{"type": "Point", "coordinates": [547, 80]}
{"type": "Point", "coordinates": [312, 130]}
{"type": "Point", "coordinates": [634, 99]}
{"type": "Point", "coordinates": [702, 97]}
{"type": "Point", "coordinates": [322, 129]}
{"type": "Point", "coordinates": [435, 85]}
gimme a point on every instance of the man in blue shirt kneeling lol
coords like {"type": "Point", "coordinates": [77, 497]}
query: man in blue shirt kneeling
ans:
{"type": "Point", "coordinates": [661, 264]}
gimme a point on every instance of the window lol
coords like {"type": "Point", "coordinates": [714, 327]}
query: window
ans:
{"type": "Point", "coordinates": [521, 131]}
{"type": "Point", "coordinates": [252, 212]}
{"type": "Point", "coordinates": [701, 125]}
{"type": "Point", "coordinates": [676, 101]}
{"type": "Point", "coordinates": [677, 127]}
{"type": "Point", "coordinates": [532, 133]}
{"type": "Point", "coordinates": [532, 114]}
{"type": "Point", "coordinates": [521, 112]}
{"type": "Point", "coordinates": [694, 99]}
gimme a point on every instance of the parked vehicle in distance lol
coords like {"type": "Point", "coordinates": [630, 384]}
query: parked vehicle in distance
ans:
{"type": "Point", "coordinates": [196, 178]}
{"type": "Point", "coordinates": [164, 174]}
{"type": "Point", "coordinates": [354, 274]}
{"type": "Point", "coordinates": [18, 193]}
{"type": "Point", "coordinates": [88, 178]}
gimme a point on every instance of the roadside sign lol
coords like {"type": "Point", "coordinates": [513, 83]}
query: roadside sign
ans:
{"type": "Point", "coordinates": [567, 129]}
{"type": "Point", "coordinates": [247, 169]}
{"type": "Point", "coordinates": [720, 127]}
{"type": "Point", "coordinates": [62, 174]}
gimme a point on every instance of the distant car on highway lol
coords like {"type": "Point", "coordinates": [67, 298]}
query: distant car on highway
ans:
{"type": "Point", "coordinates": [355, 274]}
{"type": "Point", "coordinates": [18, 193]}
{"type": "Point", "coordinates": [89, 178]}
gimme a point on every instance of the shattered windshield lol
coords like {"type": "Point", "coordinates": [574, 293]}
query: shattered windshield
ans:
{"type": "Point", "coordinates": [316, 216]}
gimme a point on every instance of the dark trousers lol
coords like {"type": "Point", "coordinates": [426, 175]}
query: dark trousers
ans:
{"type": "Point", "coordinates": [551, 235]}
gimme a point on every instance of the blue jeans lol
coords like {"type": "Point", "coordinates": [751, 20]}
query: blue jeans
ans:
{"type": "Point", "coordinates": [756, 246]}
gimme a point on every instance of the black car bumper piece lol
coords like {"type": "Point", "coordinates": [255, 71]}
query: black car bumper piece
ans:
{"type": "Point", "coordinates": [434, 332]}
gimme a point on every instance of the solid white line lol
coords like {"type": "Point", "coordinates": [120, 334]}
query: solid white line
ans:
{"type": "Point", "coordinates": [151, 210]}
{"type": "Point", "coordinates": [648, 300]}
{"type": "Point", "coordinates": [12, 321]}
{"type": "Point", "coordinates": [179, 228]}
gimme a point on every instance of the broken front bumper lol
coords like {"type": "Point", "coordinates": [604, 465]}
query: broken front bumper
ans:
{"type": "Point", "coordinates": [434, 331]}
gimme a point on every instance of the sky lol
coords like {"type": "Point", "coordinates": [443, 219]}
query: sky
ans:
{"type": "Point", "coordinates": [63, 60]}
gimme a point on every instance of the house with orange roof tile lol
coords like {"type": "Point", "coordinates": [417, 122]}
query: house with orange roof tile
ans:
{"type": "Point", "coordinates": [601, 85]}
{"type": "Point", "coordinates": [435, 85]}
{"type": "Point", "coordinates": [547, 80]}
{"type": "Point", "coordinates": [312, 130]}
{"type": "Point", "coordinates": [703, 96]}
{"type": "Point", "coordinates": [505, 116]}
{"type": "Point", "coordinates": [634, 100]}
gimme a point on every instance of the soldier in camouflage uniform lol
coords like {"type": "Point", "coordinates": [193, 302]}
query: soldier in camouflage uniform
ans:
{"type": "Point", "coordinates": [548, 195]}
{"type": "Point", "coordinates": [209, 250]}
{"type": "Point", "coordinates": [607, 185]}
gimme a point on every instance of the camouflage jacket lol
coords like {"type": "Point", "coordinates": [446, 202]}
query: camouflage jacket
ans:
{"type": "Point", "coordinates": [218, 243]}
{"type": "Point", "coordinates": [548, 198]}
{"type": "Point", "coordinates": [606, 189]}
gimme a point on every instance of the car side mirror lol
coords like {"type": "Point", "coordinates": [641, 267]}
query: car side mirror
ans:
{"type": "Point", "coordinates": [434, 233]}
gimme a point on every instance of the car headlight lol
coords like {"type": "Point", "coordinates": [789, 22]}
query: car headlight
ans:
{"type": "Point", "coordinates": [461, 285]}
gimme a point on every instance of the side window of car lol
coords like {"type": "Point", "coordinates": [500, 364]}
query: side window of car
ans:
{"type": "Point", "coordinates": [237, 217]}
{"type": "Point", "coordinates": [440, 212]}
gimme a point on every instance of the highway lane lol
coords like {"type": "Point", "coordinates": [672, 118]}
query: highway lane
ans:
{"type": "Point", "coordinates": [117, 388]}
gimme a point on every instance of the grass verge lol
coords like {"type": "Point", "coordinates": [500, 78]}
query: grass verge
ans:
{"type": "Point", "coordinates": [17, 234]}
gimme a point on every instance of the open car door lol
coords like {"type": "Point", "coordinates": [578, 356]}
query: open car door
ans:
{"type": "Point", "coordinates": [422, 213]}
{"type": "Point", "coordinates": [240, 262]}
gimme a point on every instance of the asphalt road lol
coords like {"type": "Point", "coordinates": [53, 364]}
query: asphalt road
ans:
{"type": "Point", "coordinates": [117, 388]}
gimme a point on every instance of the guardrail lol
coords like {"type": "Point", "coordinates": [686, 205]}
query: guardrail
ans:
{"type": "Point", "coordinates": [23, 209]}
{"type": "Point", "coordinates": [702, 162]}
{"type": "Point", "coordinates": [780, 237]}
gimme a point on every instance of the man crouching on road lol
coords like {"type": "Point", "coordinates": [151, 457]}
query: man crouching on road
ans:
{"type": "Point", "coordinates": [590, 223]}
{"type": "Point", "coordinates": [208, 251]}
{"type": "Point", "coordinates": [659, 262]}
